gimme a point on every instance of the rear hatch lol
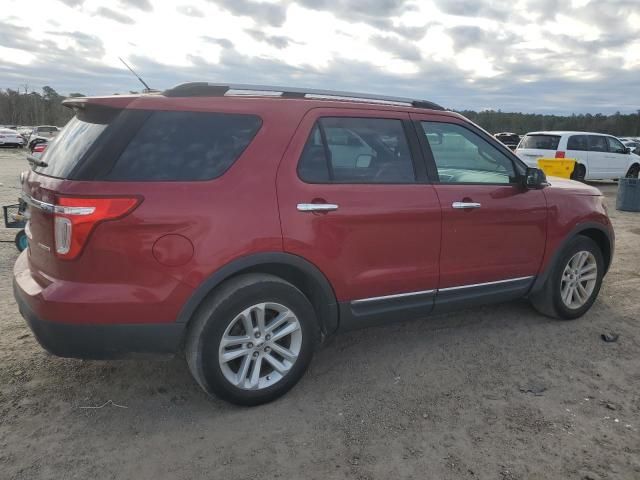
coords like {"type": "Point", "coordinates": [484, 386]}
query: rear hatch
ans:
{"type": "Point", "coordinates": [63, 212]}
{"type": "Point", "coordinates": [537, 145]}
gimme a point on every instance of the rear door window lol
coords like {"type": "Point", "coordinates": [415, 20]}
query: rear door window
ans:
{"type": "Point", "coordinates": [540, 142]}
{"type": "Point", "coordinates": [184, 146]}
{"type": "Point", "coordinates": [578, 142]}
{"type": "Point", "coordinates": [598, 143]}
{"type": "Point", "coordinates": [357, 150]}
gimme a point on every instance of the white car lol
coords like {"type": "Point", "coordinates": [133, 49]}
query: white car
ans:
{"type": "Point", "coordinates": [10, 138]}
{"type": "Point", "coordinates": [598, 156]}
{"type": "Point", "coordinates": [45, 131]}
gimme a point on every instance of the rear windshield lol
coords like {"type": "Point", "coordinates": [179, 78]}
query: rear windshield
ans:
{"type": "Point", "coordinates": [540, 142]}
{"type": "Point", "coordinates": [141, 145]}
{"type": "Point", "coordinates": [47, 129]}
{"type": "Point", "coordinates": [66, 150]}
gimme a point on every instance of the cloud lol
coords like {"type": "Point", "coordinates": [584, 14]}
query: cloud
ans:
{"type": "Point", "coordinates": [473, 8]}
{"type": "Point", "coordinates": [143, 5]}
{"type": "Point", "coordinates": [115, 16]}
{"type": "Point", "coordinates": [277, 41]}
{"type": "Point", "coordinates": [88, 44]}
{"type": "Point", "coordinates": [222, 42]}
{"type": "Point", "coordinates": [190, 11]}
{"type": "Point", "coordinates": [261, 12]}
{"type": "Point", "coordinates": [400, 49]}
{"type": "Point", "coordinates": [375, 13]}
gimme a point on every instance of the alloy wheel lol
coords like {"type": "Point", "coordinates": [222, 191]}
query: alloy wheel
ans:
{"type": "Point", "coordinates": [260, 346]}
{"type": "Point", "coordinates": [578, 279]}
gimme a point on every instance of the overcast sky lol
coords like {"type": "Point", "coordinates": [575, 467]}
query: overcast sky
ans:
{"type": "Point", "coordinates": [548, 56]}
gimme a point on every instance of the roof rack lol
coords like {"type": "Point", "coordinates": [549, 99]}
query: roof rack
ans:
{"type": "Point", "coordinates": [204, 89]}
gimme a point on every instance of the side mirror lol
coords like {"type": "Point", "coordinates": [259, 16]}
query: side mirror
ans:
{"type": "Point", "coordinates": [627, 150]}
{"type": "Point", "coordinates": [534, 178]}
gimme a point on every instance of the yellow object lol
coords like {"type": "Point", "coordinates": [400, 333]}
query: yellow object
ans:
{"type": "Point", "coordinates": [557, 167]}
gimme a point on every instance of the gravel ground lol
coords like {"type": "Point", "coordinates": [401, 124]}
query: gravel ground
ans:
{"type": "Point", "coordinates": [444, 398]}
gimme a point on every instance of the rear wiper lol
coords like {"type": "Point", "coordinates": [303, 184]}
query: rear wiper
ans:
{"type": "Point", "coordinates": [36, 162]}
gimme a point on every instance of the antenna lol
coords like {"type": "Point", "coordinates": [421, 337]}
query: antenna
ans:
{"type": "Point", "coordinates": [146, 87]}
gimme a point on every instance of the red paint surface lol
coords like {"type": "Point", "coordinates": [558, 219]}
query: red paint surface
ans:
{"type": "Point", "coordinates": [383, 239]}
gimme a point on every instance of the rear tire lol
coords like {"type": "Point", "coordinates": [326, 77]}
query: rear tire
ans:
{"type": "Point", "coordinates": [556, 299]}
{"type": "Point", "coordinates": [579, 172]}
{"type": "Point", "coordinates": [21, 240]}
{"type": "Point", "coordinates": [227, 339]}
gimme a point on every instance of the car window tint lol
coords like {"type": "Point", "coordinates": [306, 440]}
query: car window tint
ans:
{"type": "Point", "coordinates": [578, 142]}
{"type": "Point", "coordinates": [615, 146]}
{"type": "Point", "coordinates": [185, 146]}
{"type": "Point", "coordinates": [357, 150]}
{"type": "Point", "coordinates": [462, 156]}
{"type": "Point", "coordinates": [598, 143]}
{"type": "Point", "coordinates": [540, 142]}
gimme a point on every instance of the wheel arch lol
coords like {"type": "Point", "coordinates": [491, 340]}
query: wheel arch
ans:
{"type": "Point", "coordinates": [294, 269]}
{"type": "Point", "coordinates": [596, 232]}
{"type": "Point", "coordinates": [632, 165]}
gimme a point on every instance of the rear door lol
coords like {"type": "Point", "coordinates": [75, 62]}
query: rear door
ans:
{"type": "Point", "coordinates": [599, 157]}
{"type": "Point", "coordinates": [537, 145]}
{"type": "Point", "coordinates": [493, 229]}
{"type": "Point", "coordinates": [355, 202]}
{"type": "Point", "coordinates": [578, 149]}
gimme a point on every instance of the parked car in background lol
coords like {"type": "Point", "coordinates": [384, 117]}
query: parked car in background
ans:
{"type": "Point", "coordinates": [355, 210]}
{"type": "Point", "coordinates": [511, 140]}
{"type": "Point", "coordinates": [44, 131]}
{"type": "Point", "coordinates": [38, 149]}
{"type": "Point", "coordinates": [10, 138]}
{"type": "Point", "coordinates": [634, 145]}
{"type": "Point", "coordinates": [598, 156]}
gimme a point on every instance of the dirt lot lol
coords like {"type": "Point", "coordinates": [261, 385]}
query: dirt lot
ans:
{"type": "Point", "coordinates": [436, 399]}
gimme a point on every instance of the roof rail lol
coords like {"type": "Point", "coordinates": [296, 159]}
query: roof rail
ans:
{"type": "Point", "coordinates": [204, 89]}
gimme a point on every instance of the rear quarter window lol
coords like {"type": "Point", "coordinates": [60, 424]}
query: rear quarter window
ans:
{"type": "Point", "coordinates": [540, 142]}
{"type": "Point", "coordinates": [184, 146]}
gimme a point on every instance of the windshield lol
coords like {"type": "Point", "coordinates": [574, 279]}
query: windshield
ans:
{"type": "Point", "coordinates": [75, 139]}
{"type": "Point", "coordinates": [540, 142]}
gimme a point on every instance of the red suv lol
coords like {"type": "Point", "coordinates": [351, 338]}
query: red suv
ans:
{"type": "Point", "coordinates": [243, 224]}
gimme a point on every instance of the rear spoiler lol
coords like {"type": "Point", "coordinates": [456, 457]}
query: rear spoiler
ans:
{"type": "Point", "coordinates": [113, 101]}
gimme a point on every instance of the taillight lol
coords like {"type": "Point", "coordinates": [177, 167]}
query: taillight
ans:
{"type": "Point", "coordinates": [75, 218]}
{"type": "Point", "coordinates": [559, 154]}
{"type": "Point", "coordinates": [39, 148]}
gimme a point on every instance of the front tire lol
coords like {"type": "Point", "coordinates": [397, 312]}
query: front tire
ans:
{"type": "Point", "coordinates": [634, 171]}
{"type": "Point", "coordinates": [574, 282]}
{"type": "Point", "coordinates": [252, 339]}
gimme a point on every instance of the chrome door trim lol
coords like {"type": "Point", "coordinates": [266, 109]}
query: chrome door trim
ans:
{"type": "Point", "coordinates": [316, 207]}
{"type": "Point", "coordinates": [391, 297]}
{"type": "Point", "coordinates": [435, 291]}
{"type": "Point", "coordinates": [497, 282]}
{"type": "Point", "coordinates": [464, 205]}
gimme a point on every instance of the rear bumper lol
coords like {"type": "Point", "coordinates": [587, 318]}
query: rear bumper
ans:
{"type": "Point", "coordinates": [86, 339]}
{"type": "Point", "coordinates": [101, 341]}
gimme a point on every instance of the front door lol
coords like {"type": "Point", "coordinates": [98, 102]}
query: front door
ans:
{"type": "Point", "coordinates": [355, 202]}
{"type": "Point", "coordinates": [493, 229]}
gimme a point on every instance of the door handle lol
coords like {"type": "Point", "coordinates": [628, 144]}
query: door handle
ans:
{"type": "Point", "coordinates": [317, 207]}
{"type": "Point", "coordinates": [464, 205]}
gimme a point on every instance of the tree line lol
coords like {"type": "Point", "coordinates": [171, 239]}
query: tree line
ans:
{"type": "Point", "coordinates": [27, 107]}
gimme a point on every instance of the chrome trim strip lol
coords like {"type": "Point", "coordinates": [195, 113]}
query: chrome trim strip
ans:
{"type": "Point", "coordinates": [316, 207]}
{"type": "Point", "coordinates": [426, 292]}
{"type": "Point", "coordinates": [448, 289]}
{"type": "Point", "coordinates": [51, 208]}
{"type": "Point", "coordinates": [390, 297]}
